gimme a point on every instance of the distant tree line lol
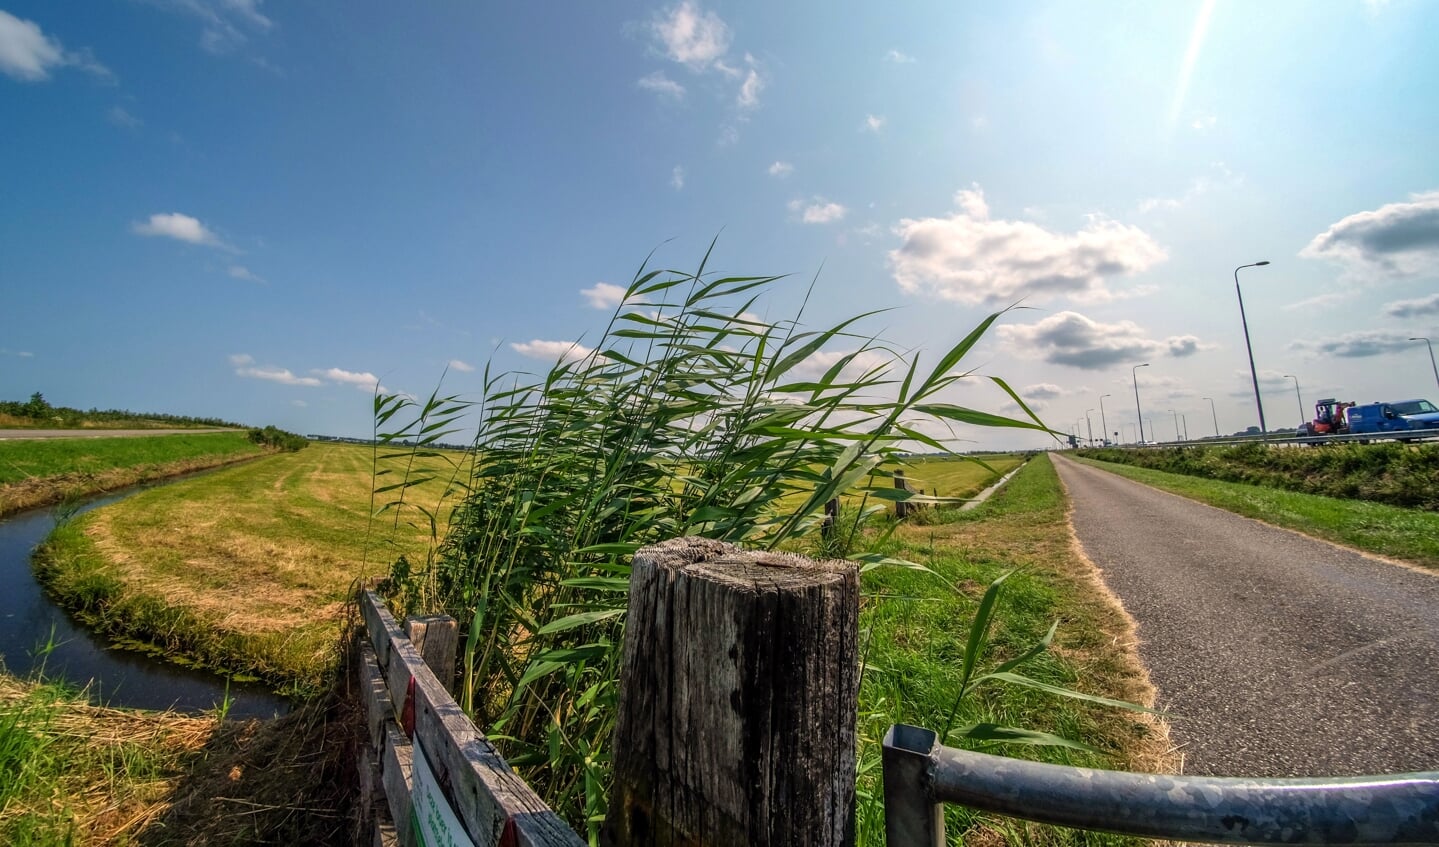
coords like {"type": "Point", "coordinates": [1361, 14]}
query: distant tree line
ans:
{"type": "Point", "coordinates": [279, 439]}
{"type": "Point", "coordinates": [39, 410]}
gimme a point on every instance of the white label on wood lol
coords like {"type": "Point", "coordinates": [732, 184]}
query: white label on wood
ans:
{"type": "Point", "coordinates": [432, 821]}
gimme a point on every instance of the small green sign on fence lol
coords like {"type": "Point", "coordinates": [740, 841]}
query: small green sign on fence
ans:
{"type": "Point", "coordinates": [432, 822]}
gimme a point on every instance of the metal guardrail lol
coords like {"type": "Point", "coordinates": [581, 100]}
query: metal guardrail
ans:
{"type": "Point", "coordinates": [1284, 438]}
{"type": "Point", "coordinates": [920, 776]}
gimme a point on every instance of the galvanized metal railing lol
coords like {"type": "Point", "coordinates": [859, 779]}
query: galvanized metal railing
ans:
{"type": "Point", "coordinates": [920, 776]}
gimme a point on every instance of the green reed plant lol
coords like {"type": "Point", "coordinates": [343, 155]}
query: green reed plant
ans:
{"type": "Point", "coordinates": [688, 416]}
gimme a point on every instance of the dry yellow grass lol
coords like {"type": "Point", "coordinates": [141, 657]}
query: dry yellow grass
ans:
{"type": "Point", "coordinates": [101, 776]}
{"type": "Point", "coordinates": [262, 555]}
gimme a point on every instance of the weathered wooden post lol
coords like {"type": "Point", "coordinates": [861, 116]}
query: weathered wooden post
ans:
{"type": "Point", "coordinates": [736, 720]}
{"type": "Point", "coordinates": [901, 508]}
{"type": "Point", "coordinates": [437, 637]}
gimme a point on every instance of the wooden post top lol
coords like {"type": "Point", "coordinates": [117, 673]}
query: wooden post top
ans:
{"type": "Point", "coordinates": [741, 569]}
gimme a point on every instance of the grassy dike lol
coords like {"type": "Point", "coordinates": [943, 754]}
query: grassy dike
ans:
{"type": "Point", "coordinates": [1409, 535]}
{"type": "Point", "coordinates": [915, 626]}
{"type": "Point", "coordinates": [247, 570]}
{"type": "Point", "coordinates": [40, 472]}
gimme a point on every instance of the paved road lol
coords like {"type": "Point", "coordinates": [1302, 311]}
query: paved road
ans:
{"type": "Point", "coordinates": [19, 434]}
{"type": "Point", "coordinates": [1276, 654]}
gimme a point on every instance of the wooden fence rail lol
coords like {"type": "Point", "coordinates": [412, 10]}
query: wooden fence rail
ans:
{"type": "Point", "coordinates": [429, 777]}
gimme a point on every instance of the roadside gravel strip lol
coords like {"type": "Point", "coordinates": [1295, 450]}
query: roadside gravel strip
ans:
{"type": "Point", "coordinates": [1274, 654]}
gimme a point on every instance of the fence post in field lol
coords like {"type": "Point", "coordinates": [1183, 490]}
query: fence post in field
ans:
{"type": "Point", "coordinates": [437, 637]}
{"type": "Point", "coordinates": [736, 719]}
{"type": "Point", "coordinates": [831, 517]}
{"type": "Point", "coordinates": [901, 509]}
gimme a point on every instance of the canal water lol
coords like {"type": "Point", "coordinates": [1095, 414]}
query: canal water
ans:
{"type": "Point", "coordinates": [29, 622]}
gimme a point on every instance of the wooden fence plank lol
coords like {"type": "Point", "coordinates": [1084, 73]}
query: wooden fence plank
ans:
{"type": "Point", "coordinates": [494, 804]}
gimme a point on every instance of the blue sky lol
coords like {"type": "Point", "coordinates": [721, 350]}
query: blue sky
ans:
{"type": "Point", "coordinates": [256, 210]}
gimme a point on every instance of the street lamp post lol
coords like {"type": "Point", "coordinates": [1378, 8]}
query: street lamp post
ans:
{"type": "Point", "coordinates": [1431, 356]}
{"type": "Point", "coordinates": [1103, 423]}
{"type": "Point", "coordinates": [1134, 374]}
{"type": "Point", "coordinates": [1089, 426]}
{"type": "Point", "coordinates": [1254, 374]}
{"type": "Point", "coordinates": [1297, 396]}
{"type": "Point", "coordinates": [1176, 423]}
{"type": "Point", "coordinates": [1185, 418]}
{"type": "Point", "coordinates": [1214, 415]}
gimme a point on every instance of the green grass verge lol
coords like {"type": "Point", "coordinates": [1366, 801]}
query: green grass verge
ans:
{"type": "Point", "coordinates": [915, 627]}
{"type": "Point", "coordinates": [44, 471]}
{"type": "Point", "coordinates": [1406, 534]}
{"type": "Point", "coordinates": [45, 457]}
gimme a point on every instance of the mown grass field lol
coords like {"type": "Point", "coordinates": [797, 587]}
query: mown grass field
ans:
{"type": "Point", "coordinates": [961, 477]}
{"type": "Point", "coordinates": [1410, 535]}
{"type": "Point", "coordinates": [247, 569]}
{"type": "Point", "coordinates": [43, 471]}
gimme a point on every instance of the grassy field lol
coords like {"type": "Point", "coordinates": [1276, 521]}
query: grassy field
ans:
{"type": "Point", "coordinates": [1407, 534]}
{"type": "Point", "coordinates": [247, 569]}
{"type": "Point", "coordinates": [959, 477]}
{"type": "Point", "coordinates": [916, 624]}
{"type": "Point", "coordinates": [44, 471]}
{"type": "Point", "coordinates": [250, 567]}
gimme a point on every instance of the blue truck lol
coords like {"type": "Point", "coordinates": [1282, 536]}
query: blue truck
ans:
{"type": "Point", "coordinates": [1332, 417]}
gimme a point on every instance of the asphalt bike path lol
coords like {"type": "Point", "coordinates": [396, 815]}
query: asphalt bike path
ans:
{"type": "Point", "coordinates": [1275, 654]}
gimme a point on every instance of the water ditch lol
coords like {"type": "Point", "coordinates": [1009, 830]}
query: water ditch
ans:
{"type": "Point", "coordinates": [39, 637]}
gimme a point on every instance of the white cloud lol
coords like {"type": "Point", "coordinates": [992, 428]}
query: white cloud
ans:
{"type": "Point", "coordinates": [677, 178]}
{"type": "Point", "coordinates": [552, 351]}
{"type": "Point", "coordinates": [1321, 301]}
{"type": "Point", "coordinates": [461, 366]}
{"type": "Point", "coordinates": [971, 258]}
{"type": "Point", "coordinates": [280, 375]}
{"type": "Point", "coordinates": [873, 123]}
{"type": "Point", "coordinates": [750, 89]}
{"type": "Point", "coordinates": [1398, 239]}
{"type": "Point", "coordinates": [123, 119]}
{"type": "Point", "coordinates": [364, 381]}
{"type": "Point", "coordinates": [691, 37]}
{"type": "Point", "coordinates": [1076, 341]}
{"type": "Point", "coordinates": [1203, 122]}
{"type": "Point", "coordinates": [1413, 308]}
{"type": "Point", "coordinates": [179, 227]}
{"type": "Point", "coordinates": [1353, 345]}
{"type": "Point", "coordinates": [662, 85]}
{"type": "Point", "coordinates": [1220, 177]}
{"type": "Point", "coordinates": [241, 359]}
{"type": "Point", "coordinates": [225, 23]}
{"type": "Point", "coordinates": [863, 362]}
{"type": "Point", "coordinates": [242, 272]}
{"type": "Point", "coordinates": [818, 210]}
{"type": "Point", "coordinates": [29, 55]}
{"type": "Point", "coordinates": [299, 404]}
{"type": "Point", "coordinates": [898, 58]}
{"type": "Point", "coordinates": [781, 169]}
{"type": "Point", "coordinates": [604, 295]}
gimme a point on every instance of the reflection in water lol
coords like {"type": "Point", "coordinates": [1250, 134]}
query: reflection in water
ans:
{"type": "Point", "coordinates": [29, 621]}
